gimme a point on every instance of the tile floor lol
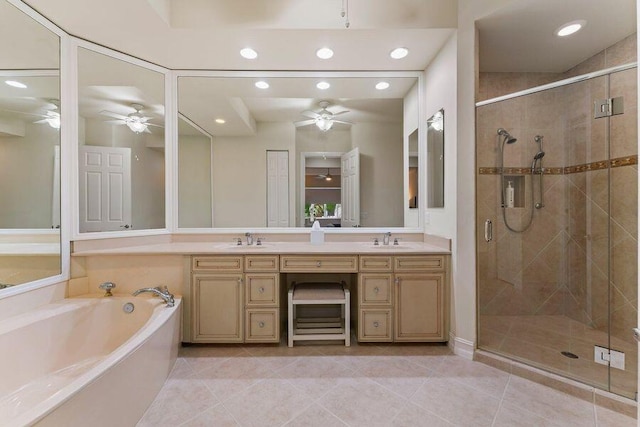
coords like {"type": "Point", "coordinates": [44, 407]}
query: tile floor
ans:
{"type": "Point", "coordinates": [364, 385]}
{"type": "Point", "coordinates": [538, 340]}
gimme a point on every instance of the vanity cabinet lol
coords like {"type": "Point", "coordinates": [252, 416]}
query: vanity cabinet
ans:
{"type": "Point", "coordinates": [402, 298]}
{"type": "Point", "coordinates": [419, 298]}
{"type": "Point", "coordinates": [235, 299]}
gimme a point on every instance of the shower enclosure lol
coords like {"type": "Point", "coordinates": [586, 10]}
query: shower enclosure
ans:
{"type": "Point", "coordinates": [550, 291]}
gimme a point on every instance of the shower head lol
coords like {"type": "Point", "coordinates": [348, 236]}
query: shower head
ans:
{"type": "Point", "coordinates": [508, 139]}
{"type": "Point", "coordinates": [539, 155]}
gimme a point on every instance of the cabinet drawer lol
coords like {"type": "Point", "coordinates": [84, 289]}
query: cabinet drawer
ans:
{"type": "Point", "coordinates": [419, 263]}
{"type": "Point", "coordinates": [262, 289]}
{"type": "Point", "coordinates": [318, 264]}
{"type": "Point", "coordinates": [375, 325]}
{"type": "Point", "coordinates": [375, 289]}
{"type": "Point", "coordinates": [262, 325]}
{"type": "Point", "coordinates": [375, 263]}
{"type": "Point", "coordinates": [227, 264]}
{"type": "Point", "coordinates": [261, 263]}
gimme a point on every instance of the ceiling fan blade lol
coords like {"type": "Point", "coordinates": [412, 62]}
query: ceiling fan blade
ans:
{"type": "Point", "coordinates": [146, 130]}
{"type": "Point", "coordinates": [25, 113]}
{"type": "Point", "coordinates": [114, 115]}
{"type": "Point", "coordinates": [41, 121]}
{"type": "Point", "coordinates": [152, 124]}
{"type": "Point", "coordinates": [343, 122]}
{"type": "Point", "coordinates": [310, 114]}
{"type": "Point", "coordinates": [340, 112]}
{"type": "Point", "coordinates": [116, 122]}
{"type": "Point", "coordinates": [304, 123]}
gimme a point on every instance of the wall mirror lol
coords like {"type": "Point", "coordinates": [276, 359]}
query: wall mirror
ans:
{"type": "Point", "coordinates": [29, 149]}
{"type": "Point", "coordinates": [121, 143]}
{"type": "Point", "coordinates": [283, 144]}
{"type": "Point", "coordinates": [435, 160]}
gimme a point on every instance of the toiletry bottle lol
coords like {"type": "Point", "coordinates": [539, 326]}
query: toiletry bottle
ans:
{"type": "Point", "coordinates": [509, 195]}
{"type": "Point", "coordinates": [317, 234]}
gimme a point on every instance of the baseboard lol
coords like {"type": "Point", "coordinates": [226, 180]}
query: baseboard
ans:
{"type": "Point", "coordinates": [461, 347]}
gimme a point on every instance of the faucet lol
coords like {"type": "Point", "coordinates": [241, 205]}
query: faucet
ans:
{"type": "Point", "coordinates": [249, 237]}
{"type": "Point", "coordinates": [385, 238]}
{"type": "Point", "coordinates": [107, 286]}
{"type": "Point", "coordinates": [160, 291]}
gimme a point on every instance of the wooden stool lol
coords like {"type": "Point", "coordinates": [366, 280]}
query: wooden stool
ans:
{"type": "Point", "coordinates": [322, 328]}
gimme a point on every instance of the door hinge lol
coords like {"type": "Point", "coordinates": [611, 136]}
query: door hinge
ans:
{"type": "Point", "coordinates": [608, 107]}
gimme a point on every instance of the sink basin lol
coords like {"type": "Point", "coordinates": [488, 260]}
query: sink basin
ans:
{"type": "Point", "coordinates": [246, 247]}
{"type": "Point", "coordinates": [388, 247]}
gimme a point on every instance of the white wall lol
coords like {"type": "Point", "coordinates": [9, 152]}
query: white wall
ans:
{"type": "Point", "coordinates": [381, 173]}
{"type": "Point", "coordinates": [240, 171]}
{"type": "Point", "coordinates": [26, 176]}
{"type": "Point", "coordinates": [194, 181]}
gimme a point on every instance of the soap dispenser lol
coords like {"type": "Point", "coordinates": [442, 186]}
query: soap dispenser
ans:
{"type": "Point", "coordinates": [317, 234]}
{"type": "Point", "coordinates": [509, 195]}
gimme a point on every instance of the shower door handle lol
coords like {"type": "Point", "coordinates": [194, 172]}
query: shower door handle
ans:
{"type": "Point", "coordinates": [488, 231]}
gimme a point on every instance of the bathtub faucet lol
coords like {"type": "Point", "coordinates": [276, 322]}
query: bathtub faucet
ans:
{"type": "Point", "coordinates": [107, 287]}
{"type": "Point", "coordinates": [161, 291]}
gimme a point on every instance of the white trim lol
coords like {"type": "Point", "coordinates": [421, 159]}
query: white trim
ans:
{"type": "Point", "coordinates": [297, 74]}
{"type": "Point", "coordinates": [559, 83]}
{"type": "Point", "coordinates": [461, 347]}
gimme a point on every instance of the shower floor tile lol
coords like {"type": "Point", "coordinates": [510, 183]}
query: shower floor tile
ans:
{"type": "Point", "coordinates": [361, 385]}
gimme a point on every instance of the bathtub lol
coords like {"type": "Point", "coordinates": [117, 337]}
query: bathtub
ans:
{"type": "Point", "coordinates": [85, 361]}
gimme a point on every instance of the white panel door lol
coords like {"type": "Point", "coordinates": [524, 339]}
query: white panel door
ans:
{"type": "Point", "coordinates": [350, 194]}
{"type": "Point", "coordinates": [277, 188]}
{"type": "Point", "coordinates": [105, 188]}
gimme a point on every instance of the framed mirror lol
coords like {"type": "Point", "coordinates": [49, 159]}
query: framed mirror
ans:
{"type": "Point", "coordinates": [315, 123]}
{"type": "Point", "coordinates": [121, 143]}
{"type": "Point", "coordinates": [435, 160]}
{"type": "Point", "coordinates": [29, 149]}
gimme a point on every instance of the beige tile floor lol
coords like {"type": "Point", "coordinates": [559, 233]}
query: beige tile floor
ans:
{"type": "Point", "coordinates": [538, 340]}
{"type": "Point", "coordinates": [364, 385]}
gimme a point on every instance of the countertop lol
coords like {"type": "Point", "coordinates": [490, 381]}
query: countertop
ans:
{"type": "Point", "coordinates": [269, 248]}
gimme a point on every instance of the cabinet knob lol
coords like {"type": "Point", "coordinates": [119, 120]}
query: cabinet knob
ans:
{"type": "Point", "coordinates": [376, 324]}
{"type": "Point", "coordinates": [261, 324]}
{"type": "Point", "coordinates": [261, 290]}
{"type": "Point", "coordinates": [240, 281]}
{"type": "Point", "coordinates": [376, 289]}
{"type": "Point", "coordinates": [318, 264]}
{"type": "Point", "coordinates": [397, 280]}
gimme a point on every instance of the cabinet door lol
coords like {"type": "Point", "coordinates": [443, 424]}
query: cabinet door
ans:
{"type": "Point", "coordinates": [374, 325]}
{"type": "Point", "coordinates": [262, 325]}
{"type": "Point", "coordinates": [419, 307]}
{"type": "Point", "coordinates": [218, 307]}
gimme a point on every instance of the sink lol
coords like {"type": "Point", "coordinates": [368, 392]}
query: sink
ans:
{"type": "Point", "coordinates": [246, 247]}
{"type": "Point", "coordinates": [389, 247]}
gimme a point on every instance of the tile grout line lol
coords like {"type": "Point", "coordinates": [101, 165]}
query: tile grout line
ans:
{"type": "Point", "coordinates": [504, 392]}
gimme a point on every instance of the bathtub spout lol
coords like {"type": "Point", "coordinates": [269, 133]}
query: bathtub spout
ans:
{"type": "Point", "coordinates": [161, 291]}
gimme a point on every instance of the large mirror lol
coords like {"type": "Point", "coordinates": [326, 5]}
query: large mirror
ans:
{"type": "Point", "coordinates": [121, 143]}
{"type": "Point", "coordinates": [285, 150]}
{"type": "Point", "coordinates": [29, 149]}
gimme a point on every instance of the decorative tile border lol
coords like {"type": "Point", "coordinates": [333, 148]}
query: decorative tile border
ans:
{"type": "Point", "coordinates": [587, 167]}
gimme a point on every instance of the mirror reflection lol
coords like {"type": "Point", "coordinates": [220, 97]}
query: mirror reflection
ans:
{"type": "Point", "coordinates": [121, 144]}
{"type": "Point", "coordinates": [435, 160]}
{"type": "Point", "coordinates": [285, 152]}
{"type": "Point", "coordinates": [29, 149]}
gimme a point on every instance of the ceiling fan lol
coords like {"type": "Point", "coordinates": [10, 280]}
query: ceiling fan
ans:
{"type": "Point", "coordinates": [323, 119]}
{"type": "Point", "coordinates": [134, 121]}
{"type": "Point", "coordinates": [326, 177]}
{"type": "Point", "coordinates": [49, 116]}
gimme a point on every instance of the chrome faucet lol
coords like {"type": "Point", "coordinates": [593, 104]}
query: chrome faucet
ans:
{"type": "Point", "coordinates": [160, 291]}
{"type": "Point", "coordinates": [249, 237]}
{"type": "Point", "coordinates": [385, 238]}
{"type": "Point", "coordinates": [107, 286]}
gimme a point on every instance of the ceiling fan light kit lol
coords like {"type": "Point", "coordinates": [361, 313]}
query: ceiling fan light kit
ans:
{"type": "Point", "coordinates": [136, 122]}
{"type": "Point", "coordinates": [323, 119]}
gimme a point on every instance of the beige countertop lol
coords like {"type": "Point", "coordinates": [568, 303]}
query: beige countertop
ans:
{"type": "Point", "coordinates": [269, 248]}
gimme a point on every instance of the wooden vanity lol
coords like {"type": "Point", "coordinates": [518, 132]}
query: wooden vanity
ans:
{"type": "Point", "coordinates": [397, 297]}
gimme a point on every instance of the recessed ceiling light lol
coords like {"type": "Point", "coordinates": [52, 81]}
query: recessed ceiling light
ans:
{"type": "Point", "coordinates": [399, 53]}
{"type": "Point", "coordinates": [262, 85]}
{"type": "Point", "coordinates": [323, 85]}
{"type": "Point", "coordinates": [324, 53]}
{"type": "Point", "coordinates": [382, 85]}
{"type": "Point", "coordinates": [248, 53]}
{"type": "Point", "coordinates": [16, 84]}
{"type": "Point", "coordinates": [570, 28]}
{"type": "Point", "coordinates": [221, 121]}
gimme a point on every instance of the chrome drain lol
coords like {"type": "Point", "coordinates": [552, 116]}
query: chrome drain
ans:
{"type": "Point", "coordinates": [128, 307]}
{"type": "Point", "coordinates": [569, 354]}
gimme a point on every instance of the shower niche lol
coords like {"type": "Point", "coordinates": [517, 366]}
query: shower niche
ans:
{"type": "Point", "coordinates": [514, 184]}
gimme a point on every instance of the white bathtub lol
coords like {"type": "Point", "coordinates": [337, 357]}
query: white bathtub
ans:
{"type": "Point", "coordinates": [85, 362]}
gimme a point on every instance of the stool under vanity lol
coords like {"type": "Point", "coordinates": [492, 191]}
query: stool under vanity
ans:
{"type": "Point", "coordinates": [242, 298]}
